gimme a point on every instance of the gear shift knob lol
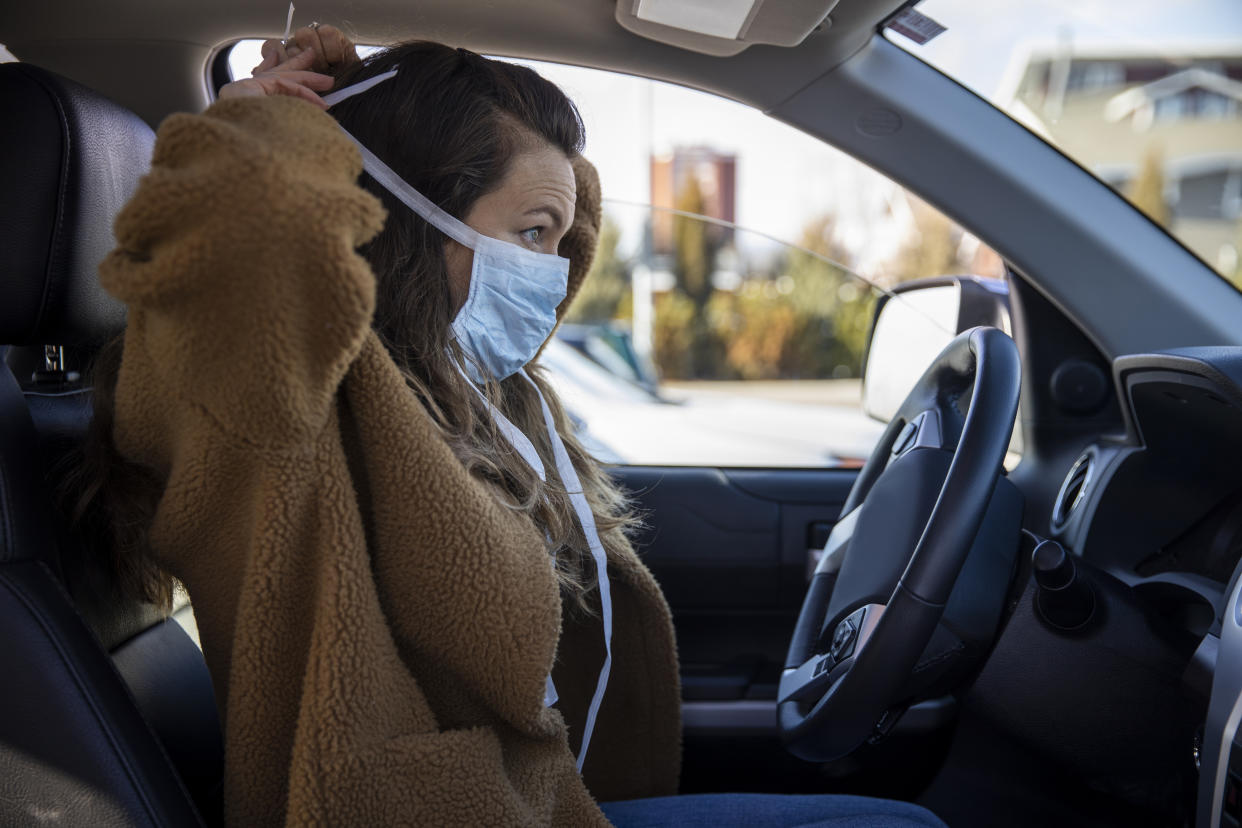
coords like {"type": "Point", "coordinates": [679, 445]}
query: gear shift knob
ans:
{"type": "Point", "coordinates": [1063, 599]}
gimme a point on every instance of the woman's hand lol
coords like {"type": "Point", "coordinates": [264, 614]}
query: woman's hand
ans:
{"type": "Point", "coordinates": [332, 49]}
{"type": "Point", "coordinates": [296, 68]}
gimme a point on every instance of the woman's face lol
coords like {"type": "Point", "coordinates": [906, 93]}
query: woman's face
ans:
{"type": "Point", "coordinates": [533, 208]}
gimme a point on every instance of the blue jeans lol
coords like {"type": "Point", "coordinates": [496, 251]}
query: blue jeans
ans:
{"type": "Point", "coordinates": [768, 811]}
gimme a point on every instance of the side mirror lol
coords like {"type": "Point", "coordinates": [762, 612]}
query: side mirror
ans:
{"type": "Point", "coordinates": [914, 323]}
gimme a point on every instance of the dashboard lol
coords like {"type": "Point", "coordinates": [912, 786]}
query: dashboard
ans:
{"type": "Point", "coordinates": [1159, 508]}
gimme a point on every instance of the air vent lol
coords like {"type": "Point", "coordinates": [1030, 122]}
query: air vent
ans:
{"type": "Point", "coordinates": [1073, 490]}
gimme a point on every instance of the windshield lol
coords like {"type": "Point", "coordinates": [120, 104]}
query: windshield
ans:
{"type": "Point", "coordinates": [1146, 94]}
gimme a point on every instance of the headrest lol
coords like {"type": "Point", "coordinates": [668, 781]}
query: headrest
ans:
{"type": "Point", "coordinates": [70, 160]}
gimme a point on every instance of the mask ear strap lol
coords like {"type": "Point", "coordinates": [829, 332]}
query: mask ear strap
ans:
{"type": "Point", "coordinates": [524, 447]}
{"type": "Point", "coordinates": [334, 98]}
{"type": "Point", "coordinates": [416, 201]}
{"type": "Point", "coordinates": [520, 442]}
{"type": "Point", "coordinates": [573, 485]}
{"type": "Point", "coordinates": [395, 184]}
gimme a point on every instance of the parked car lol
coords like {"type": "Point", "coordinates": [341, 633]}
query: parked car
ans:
{"type": "Point", "coordinates": [1084, 610]}
{"type": "Point", "coordinates": [626, 423]}
{"type": "Point", "coordinates": [612, 348]}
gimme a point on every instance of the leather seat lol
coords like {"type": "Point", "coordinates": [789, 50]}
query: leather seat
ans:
{"type": "Point", "coordinates": [99, 692]}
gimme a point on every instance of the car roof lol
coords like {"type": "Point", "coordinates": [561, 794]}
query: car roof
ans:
{"type": "Point", "coordinates": [113, 50]}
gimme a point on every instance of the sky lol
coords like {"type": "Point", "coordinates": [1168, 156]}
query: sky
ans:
{"type": "Point", "coordinates": [786, 178]}
{"type": "Point", "coordinates": [977, 48]}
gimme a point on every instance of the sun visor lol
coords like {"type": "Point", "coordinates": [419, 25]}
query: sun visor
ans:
{"type": "Point", "coordinates": [723, 27]}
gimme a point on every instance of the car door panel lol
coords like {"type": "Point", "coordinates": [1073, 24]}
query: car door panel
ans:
{"type": "Point", "coordinates": [730, 550]}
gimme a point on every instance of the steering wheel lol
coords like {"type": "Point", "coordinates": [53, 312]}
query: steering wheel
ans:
{"type": "Point", "coordinates": [892, 560]}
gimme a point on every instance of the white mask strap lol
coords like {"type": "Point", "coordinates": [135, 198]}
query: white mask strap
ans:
{"type": "Point", "coordinates": [395, 184]}
{"type": "Point", "coordinates": [549, 693]}
{"type": "Point", "coordinates": [569, 478]}
{"type": "Point", "coordinates": [334, 98]}
{"type": "Point", "coordinates": [521, 444]}
{"type": "Point", "coordinates": [524, 447]}
{"type": "Point", "coordinates": [586, 518]}
{"type": "Point", "coordinates": [457, 231]}
{"type": "Point", "coordinates": [449, 225]}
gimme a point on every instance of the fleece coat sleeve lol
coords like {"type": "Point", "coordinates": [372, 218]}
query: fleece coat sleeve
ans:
{"type": "Point", "coordinates": [378, 635]}
{"type": "Point", "coordinates": [241, 248]}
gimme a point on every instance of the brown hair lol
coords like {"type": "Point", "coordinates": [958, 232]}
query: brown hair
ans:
{"type": "Point", "coordinates": [449, 123]}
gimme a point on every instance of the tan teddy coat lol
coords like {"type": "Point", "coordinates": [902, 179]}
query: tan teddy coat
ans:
{"type": "Point", "coordinates": [378, 626]}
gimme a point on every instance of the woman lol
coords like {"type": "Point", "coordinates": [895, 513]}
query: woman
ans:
{"type": "Point", "coordinates": [389, 533]}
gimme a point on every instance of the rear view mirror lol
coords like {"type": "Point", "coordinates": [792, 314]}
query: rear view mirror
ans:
{"type": "Point", "coordinates": [913, 324]}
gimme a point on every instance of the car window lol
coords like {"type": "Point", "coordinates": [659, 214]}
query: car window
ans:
{"type": "Point", "coordinates": [735, 280]}
{"type": "Point", "coordinates": [244, 55]}
{"type": "Point", "coordinates": [726, 314]}
{"type": "Point", "coordinates": [1146, 95]}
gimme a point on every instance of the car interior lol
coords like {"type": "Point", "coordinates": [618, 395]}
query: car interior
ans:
{"type": "Point", "coordinates": [1070, 650]}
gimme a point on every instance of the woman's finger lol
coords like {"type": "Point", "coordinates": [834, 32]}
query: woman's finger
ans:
{"type": "Point", "coordinates": [330, 46]}
{"type": "Point", "coordinates": [300, 61]}
{"type": "Point", "coordinates": [297, 84]}
{"type": "Point", "coordinates": [274, 54]}
{"type": "Point", "coordinates": [336, 48]}
{"type": "Point", "coordinates": [304, 40]}
{"type": "Point", "coordinates": [287, 86]}
{"type": "Point", "coordinates": [311, 80]}
{"type": "Point", "coordinates": [246, 88]}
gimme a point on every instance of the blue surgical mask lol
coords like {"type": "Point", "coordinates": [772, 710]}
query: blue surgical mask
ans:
{"type": "Point", "coordinates": [510, 310]}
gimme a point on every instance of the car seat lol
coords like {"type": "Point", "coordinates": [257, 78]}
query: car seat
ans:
{"type": "Point", "coordinates": [108, 714]}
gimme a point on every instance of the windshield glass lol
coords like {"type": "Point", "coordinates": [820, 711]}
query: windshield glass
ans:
{"type": "Point", "coordinates": [1146, 94]}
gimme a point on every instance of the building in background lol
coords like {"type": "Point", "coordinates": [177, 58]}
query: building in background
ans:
{"type": "Point", "coordinates": [694, 173]}
{"type": "Point", "coordinates": [1165, 130]}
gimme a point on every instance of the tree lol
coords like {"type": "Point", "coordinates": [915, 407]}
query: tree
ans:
{"type": "Point", "coordinates": [1146, 191]}
{"type": "Point", "coordinates": [694, 249]}
{"type": "Point", "coordinates": [816, 283]}
{"type": "Point", "coordinates": [686, 343]}
{"type": "Point", "coordinates": [930, 247]}
{"type": "Point", "coordinates": [836, 305]}
{"type": "Point", "coordinates": [605, 293]}
{"type": "Point", "coordinates": [809, 322]}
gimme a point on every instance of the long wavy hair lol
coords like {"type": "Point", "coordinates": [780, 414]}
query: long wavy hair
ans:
{"type": "Point", "coordinates": [449, 123]}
